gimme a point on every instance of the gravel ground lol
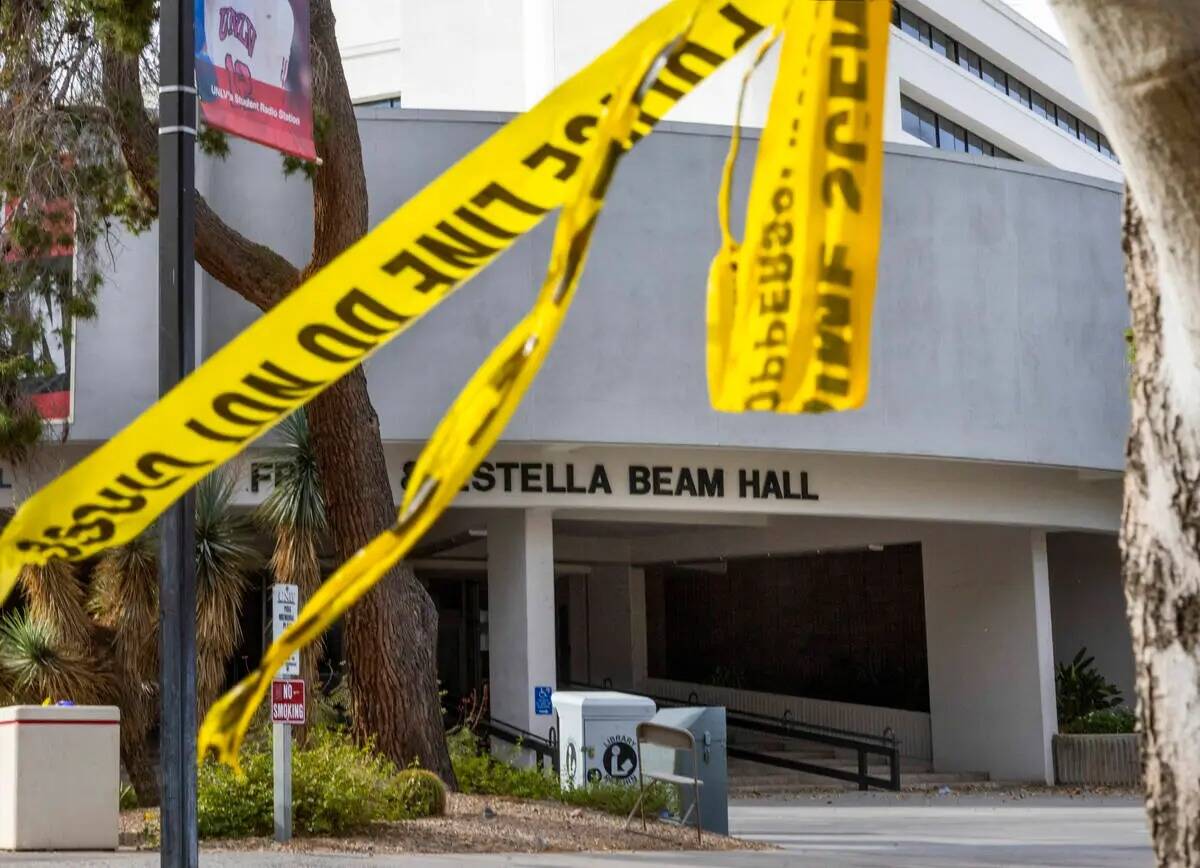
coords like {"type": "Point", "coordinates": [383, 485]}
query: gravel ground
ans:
{"type": "Point", "coordinates": [518, 826]}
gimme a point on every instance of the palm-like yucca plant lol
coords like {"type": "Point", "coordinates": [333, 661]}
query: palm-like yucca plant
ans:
{"type": "Point", "coordinates": [36, 664]}
{"type": "Point", "coordinates": [124, 602]}
{"type": "Point", "coordinates": [225, 555]}
{"type": "Point", "coordinates": [294, 512]}
{"type": "Point", "coordinates": [58, 600]}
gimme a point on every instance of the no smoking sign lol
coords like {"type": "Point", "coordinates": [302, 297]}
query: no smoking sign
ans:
{"type": "Point", "coordinates": [287, 701]}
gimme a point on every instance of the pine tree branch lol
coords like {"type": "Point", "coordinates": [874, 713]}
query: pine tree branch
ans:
{"type": "Point", "coordinates": [252, 270]}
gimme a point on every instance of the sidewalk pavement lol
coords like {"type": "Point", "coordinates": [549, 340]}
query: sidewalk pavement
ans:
{"type": "Point", "coordinates": [849, 830]}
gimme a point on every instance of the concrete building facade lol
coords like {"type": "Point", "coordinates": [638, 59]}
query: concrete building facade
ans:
{"type": "Point", "coordinates": [919, 564]}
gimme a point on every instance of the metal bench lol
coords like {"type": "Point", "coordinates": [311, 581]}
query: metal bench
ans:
{"type": "Point", "coordinates": [675, 739]}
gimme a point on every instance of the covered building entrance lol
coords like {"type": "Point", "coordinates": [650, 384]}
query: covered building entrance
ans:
{"type": "Point", "coordinates": [901, 595]}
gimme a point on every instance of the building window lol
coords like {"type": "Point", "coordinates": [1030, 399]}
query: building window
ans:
{"type": "Point", "coordinates": [993, 75]}
{"type": "Point", "coordinates": [1067, 121]}
{"type": "Point", "coordinates": [944, 45]}
{"type": "Point", "coordinates": [976, 145]}
{"type": "Point", "coordinates": [1042, 107]}
{"type": "Point", "coordinates": [943, 133]}
{"type": "Point", "coordinates": [968, 60]}
{"type": "Point", "coordinates": [919, 121]}
{"type": "Point", "coordinates": [914, 26]}
{"type": "Point", "coordinates": [951, 136]}
{"type": "Point", "coordinates": [949, 48]}
{"type": "Point", "coordinates": [1019, 91]}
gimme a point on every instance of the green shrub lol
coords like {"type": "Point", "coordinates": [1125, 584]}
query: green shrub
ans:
{"type": "Point", "coordinates": [417, 793]}
{"type": "Point", "coordinates": [126, 797]}
{"type": "Point", "coordinates": [1081, 689]}
{"type": "Point", "coordinates": [480, 773]}
{"type": "Point", "coordinates": [227, 807]}
{"type": "Point", "coordinates": [1107, 721]}
{"type": "Point", "coordinates": [338, 788]}
{"type": "Point", "coordinates": [615, 798]}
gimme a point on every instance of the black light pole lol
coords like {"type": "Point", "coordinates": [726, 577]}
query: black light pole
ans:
{"type": "Point", "coordinates": [176, 358]}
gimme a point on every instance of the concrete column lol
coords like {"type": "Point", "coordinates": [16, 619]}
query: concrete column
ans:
{"type": "Point", "coordinates": [991, 655]}
{"type": "Point", "coordinates": [520, 615]}
{"type": "Point", "coordinates": [608, 600]}
{"type": "Point", "coordinates": [637, 625]}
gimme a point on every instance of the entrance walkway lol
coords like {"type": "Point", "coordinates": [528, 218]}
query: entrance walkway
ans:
{"type": "Point", "coordinates": [927, 830]}
{"type": "Point", "coordinates": [879, 830]}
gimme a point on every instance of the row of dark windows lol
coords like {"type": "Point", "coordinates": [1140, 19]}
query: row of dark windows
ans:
{"type": "Point", "coordinates": [939, 132]}
{"type": "Point", "coordinates": [955, 52]}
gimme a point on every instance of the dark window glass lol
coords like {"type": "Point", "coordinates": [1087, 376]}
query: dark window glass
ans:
{"type": "Point", "coordinates": [1105, 147]}
{"type": "Point", "coordinates": [918, 121]}
{"type": "Point", "coordinates": [1067, 121]}
{"type": "Point", "coordinates": [943, 45]}
{"type": "Point", "coordinates": [1041, 106]}
{"type": "Point", "coordinates": [976, 145]}
{"type": "Point", "coordinates": [896, 14]}
{"type": "Point", "coordinates": [951, 137]}
{"type": "Point", "coordinates": [993, 75]}
{"type": "Point", "coordinates": [1004, 155]}
{"type": "Point", "coordinates": [1090, 136]}
{"type": "Point", "coordinates": [1019, 91]}
{"type": "Point", "coordinates": [968, 59]}
{"type": "Point", "coordinates": [914, 26]}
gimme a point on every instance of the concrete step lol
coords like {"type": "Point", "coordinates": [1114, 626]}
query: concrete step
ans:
{"type": "Point", "coordinates": [798, 781]}
{"type": "Point", "coordinates": [907, 765]}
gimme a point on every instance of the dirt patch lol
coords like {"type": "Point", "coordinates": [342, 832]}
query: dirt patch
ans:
{"type": "Point", "coordinates": [481, 824]}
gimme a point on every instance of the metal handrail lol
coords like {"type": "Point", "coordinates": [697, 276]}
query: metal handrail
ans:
{"type": "Point", "coordinates": [544, 748]}
{"type": "Point", "coordinates": [863, 744]}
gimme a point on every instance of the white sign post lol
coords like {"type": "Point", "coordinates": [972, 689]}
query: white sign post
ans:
{"type": "Point", "coordinates": [285, 602]}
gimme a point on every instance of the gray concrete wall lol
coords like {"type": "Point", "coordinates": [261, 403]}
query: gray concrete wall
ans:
{"type": "Point", "coordinates": [998, 329]}
{"type": "Point", "coordinates": [1087, 605]}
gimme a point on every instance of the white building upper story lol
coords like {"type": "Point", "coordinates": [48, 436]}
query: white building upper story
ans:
{"type": "Point", "coordinates": [962, 74]}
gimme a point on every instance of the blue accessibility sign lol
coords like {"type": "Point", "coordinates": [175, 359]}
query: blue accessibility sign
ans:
{"type": "Point", "coordinates": [541, 700]}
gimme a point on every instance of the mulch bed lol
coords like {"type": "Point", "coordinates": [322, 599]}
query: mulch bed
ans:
{"type": "Point", "coordinates": [482, 824]}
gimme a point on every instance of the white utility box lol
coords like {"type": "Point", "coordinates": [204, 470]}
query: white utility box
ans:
{"type": "Point", "coordinates": [60, 772]}
{"type": "Point", "coordinates": [597, 738]}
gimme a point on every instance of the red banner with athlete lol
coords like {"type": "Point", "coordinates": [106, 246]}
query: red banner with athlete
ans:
{"type": "Point", "coordinates": [253, 71]}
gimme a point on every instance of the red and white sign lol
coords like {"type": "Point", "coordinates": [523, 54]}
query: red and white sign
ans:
{"type": "Point", "coordinates": [287, 701]}
{"type": "Point", "coordinates": [253, 72]}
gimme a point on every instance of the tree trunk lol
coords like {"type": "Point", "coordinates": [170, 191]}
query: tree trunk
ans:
{"type": "Point", "coordinates": [394, 695]}
{"type": "Point", "coordinates": [391, 634]}
{"type": "Point", "coordinates": [1141, 60]}
{"type": "Point", "coordinates": [142, 771]}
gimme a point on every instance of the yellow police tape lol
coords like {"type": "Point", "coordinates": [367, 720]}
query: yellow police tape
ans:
{"type": "Point", "coordinates": [472, 425]}
{"type": "Point", "coordinates": [807, 268]}
{"type": "Point", "coordinates": [789, 311]}
{"type": "Point", "coordinates": [433, 243]}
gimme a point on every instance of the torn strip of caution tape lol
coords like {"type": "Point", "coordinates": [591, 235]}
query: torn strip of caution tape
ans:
{"type": "Point", "coordinates": [469, 429]}
{"type": "Point", "coordinates": [789, 310]}
{"type": "Point", "coordinates": [432, 244]}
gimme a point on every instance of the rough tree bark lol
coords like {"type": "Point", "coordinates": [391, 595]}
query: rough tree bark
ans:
{"type": "Point", "coordinates": [1141, 61]}
{"type": "Point", "coordinates": [391, 634]}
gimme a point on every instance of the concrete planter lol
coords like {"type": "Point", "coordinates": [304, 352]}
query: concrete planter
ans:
{"type": "Point", "coordinates": [1098, 759]}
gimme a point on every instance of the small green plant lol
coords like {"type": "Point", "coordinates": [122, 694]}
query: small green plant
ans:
{"type": "Point", "coordinates": [416, 793]}
{"type": "Point", "coordinates": [1106, 721]}
{"type": "Point", "coordinates": [127, 798]}
{"type": "Point", "coordinates": [1081, 689]}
